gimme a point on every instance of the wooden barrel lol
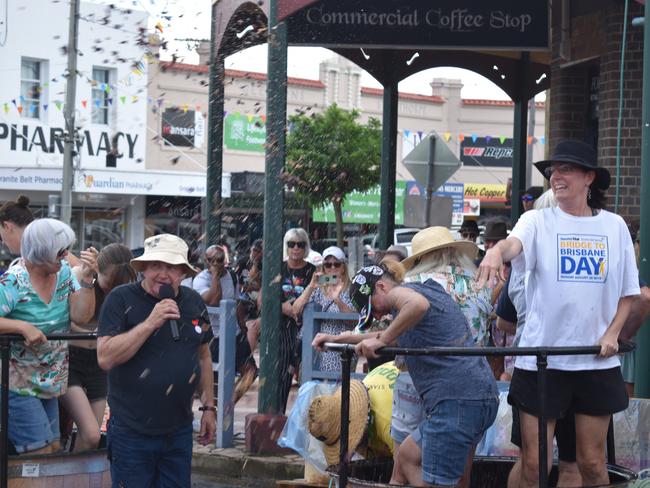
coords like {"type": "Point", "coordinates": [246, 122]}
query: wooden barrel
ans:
{"type": "Point", "coordinates": [88, 469]}
{"type": "Point", "coordinates": [487, 472]}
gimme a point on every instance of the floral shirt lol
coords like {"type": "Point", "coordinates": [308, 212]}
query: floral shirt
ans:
{"type": "Point", "coordinates": [330, 360]}
{"type": "Point", "coordinates": [475, 303]}
{"type": "Point", "coordinates": [40, 371]}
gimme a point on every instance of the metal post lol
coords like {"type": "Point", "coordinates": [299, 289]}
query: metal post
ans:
{"type": "Point", "coordinates": [215, 137]}
{"type": "Point", "coordinates": [642, 374]}
{"type": "Point", "coordinates": [611, 442]}
{"type": "Point", "coordinates": [276, 117]}
{"type": "Point", "coordinates": [225, 407]}
{"type": "Point", "coordinates": [542, 363]}
{"type": "Point", "coordinates": [430, 169]}
{"type": "Point", "coordinates": [70, 131]}
{"type": "Point", "coordinates": [346, 359]}
{"type": "Point", "coordinates": [519, 138]}
{"type": "Point", "coordinates": [388, 166]}
{"type": "Point", "coordinates": [4, 413]}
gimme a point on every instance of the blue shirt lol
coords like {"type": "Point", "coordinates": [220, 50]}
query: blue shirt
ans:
{"type": "Point", "coordinates": [438, 378]}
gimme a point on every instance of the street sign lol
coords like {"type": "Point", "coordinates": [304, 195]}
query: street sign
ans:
{"type": "Point", "coordinates": [445, 162]}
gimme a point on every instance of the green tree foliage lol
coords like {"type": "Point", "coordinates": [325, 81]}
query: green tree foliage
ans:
{"type": "Point", "coordinates": [331, 154]}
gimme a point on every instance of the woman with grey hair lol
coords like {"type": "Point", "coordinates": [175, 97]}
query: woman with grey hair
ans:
{"type": "Point", "coordinates": [296, 276]}
{"type": "Point", "coordinates": [40, 295]}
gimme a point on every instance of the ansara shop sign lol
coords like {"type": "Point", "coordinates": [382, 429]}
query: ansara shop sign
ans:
{"type": "Point", "coordinates": [495, 193]}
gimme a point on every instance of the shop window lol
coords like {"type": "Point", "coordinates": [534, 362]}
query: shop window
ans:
{"type": "Point", "coordinates": [31, 74]}
{"type": "Point", "coordinates": [100, 95]}
{"type": "Point", "coordinates": [180, 216]}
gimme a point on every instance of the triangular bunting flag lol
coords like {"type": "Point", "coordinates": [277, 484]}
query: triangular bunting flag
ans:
{"type": "Point", "coordinates": [488, 138]}
{"type": "Point", "coordinates": [474, 137]}
{"type": "Point", "coordinates": [407, 133]}
{"type": "Point", "coordinates": [134, 99]}
{"type": "Point", "coordinates": [250, 117]}
{"type": "Point", "coordinates": [32, 109]}
{"type": "Point", "coordinates": [14, 102]}
{"type": "Point", "coordinates": [84, 103]}
{"type": "Point", "coordinates": [123, 99]}
{"type": "Point", "coordinates": [185, 108]}
{"type": "Point", "coordinates": [58, 105]}
{"type": "Point", "coordinates": [530, 140]}
{"type": "Point", "coordinates": [502, 139]}
{"type": "Point", "coordinates": [22, 99]}
{"type": "Point", "coordinates": [542, 140]}
{"type": "Point", "coordinates": [97, 102]}
{"type": "Point", "coordinates": [420, 134]}
{"type": "Point", "coordinates": [20, 109]}
{"type": "Point", "coordinates": [6, 108]}
{"type": "Point", "coordinates": [447, 136]}
{"type": "Point", "coordinates": [461, 137]}
{"type": "Point", "coordinates": [225, 112]}
{"type": "Point", "coordinates": [45, 105]}
{"type": "Point", "coordinates": [110, 101]}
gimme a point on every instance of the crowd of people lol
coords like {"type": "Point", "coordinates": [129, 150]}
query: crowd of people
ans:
{"type": "Point", "coordinates": [566, 275]}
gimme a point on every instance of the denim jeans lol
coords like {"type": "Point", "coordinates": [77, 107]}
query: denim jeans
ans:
{"type": "Point", "coordinates": [149, 461]}
{"type": "Point", "coordinates": [33, 422]}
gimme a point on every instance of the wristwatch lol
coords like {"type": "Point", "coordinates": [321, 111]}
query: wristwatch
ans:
{"type": "Point", "coordinates": [207, 408]}
{"type": "Point", "coordinates": [86, 284]}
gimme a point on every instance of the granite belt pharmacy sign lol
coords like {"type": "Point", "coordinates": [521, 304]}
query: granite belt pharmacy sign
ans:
{"type": "Point", "coordinates": [29, 144]}
{"type": "Point", "coordinates": [504, 24]}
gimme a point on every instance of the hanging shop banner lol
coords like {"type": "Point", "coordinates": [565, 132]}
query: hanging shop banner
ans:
{"type": "Point", "coordinates": [182, 128]}
{"type": "Point", "coordinates": [363, 208]}
{"type": "Point", "coordinates": [486, 151]}
{"type": "Point", "coordinates": [244, 133]}
{"type": "Point", "coordinates": [444, 24]}
{"type": "Point", "coordinates": [486, 192]}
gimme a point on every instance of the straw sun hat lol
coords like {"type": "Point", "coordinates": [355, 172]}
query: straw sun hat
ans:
{"type": "Point", "coordinates": [325, 420]}
{"type": "Point", "coordinates": [434, 238]}
{"type": "Point", "coordinates": [166, 248]}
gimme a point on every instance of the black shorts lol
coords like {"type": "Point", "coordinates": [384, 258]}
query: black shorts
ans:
{"type": "Point", "coordinates": [596, 392]}
{"type": "Point", "coordinates": [565, 435]}
{"type": "Point", "coordinates": [84, 371]}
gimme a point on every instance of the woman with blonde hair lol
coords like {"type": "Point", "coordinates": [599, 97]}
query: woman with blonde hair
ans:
{"type": "Point", "coordinates": [329, 289]}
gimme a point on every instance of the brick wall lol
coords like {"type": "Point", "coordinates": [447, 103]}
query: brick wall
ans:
{"type": "Point", "coordinates": [569, 99]}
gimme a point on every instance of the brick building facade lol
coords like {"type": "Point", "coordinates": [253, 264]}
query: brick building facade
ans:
{"type": "Point", "coordinates": [585, 80]}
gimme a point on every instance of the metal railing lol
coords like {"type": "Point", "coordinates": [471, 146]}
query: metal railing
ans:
{"type": "Point", "coordinates": [225, 328]}
{"type": "Point", "coordinates": [541, 353]}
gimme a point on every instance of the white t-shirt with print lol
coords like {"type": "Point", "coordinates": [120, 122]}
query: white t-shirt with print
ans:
{"type": "Point", "coordinates": [578, 269]}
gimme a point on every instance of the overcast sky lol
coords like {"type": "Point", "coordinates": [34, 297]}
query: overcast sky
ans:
{"type": "Point", "coordinates": [184, 19]}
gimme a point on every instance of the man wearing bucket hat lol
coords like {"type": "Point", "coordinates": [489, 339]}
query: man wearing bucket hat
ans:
{"type": "Point", "coordinates": [459, 393]}
{"type": "Point", "coordinates": [153, 340]}
{"type": "Point", "coordinates": [581, 280]}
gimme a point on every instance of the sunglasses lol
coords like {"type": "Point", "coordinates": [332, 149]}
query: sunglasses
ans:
{"type": "Point", "coordinates": [61, 254]}
{"type": "Point", "coordinates": [216, 260]}
{"type": "Point", "coordinates": [527, 198]}
{"type": "Point", "coordinates": [563, 169]}
{"type": "Point", "coordinates": [300, 244]}
{"type": "Point", "coordinates": [332, 265]}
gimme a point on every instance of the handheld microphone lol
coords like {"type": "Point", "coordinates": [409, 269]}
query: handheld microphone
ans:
{"type": "Point", "coordinates": [166, 291]}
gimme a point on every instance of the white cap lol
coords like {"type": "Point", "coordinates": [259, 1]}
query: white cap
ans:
{"type": "Point", "coordinates": [334, 251]}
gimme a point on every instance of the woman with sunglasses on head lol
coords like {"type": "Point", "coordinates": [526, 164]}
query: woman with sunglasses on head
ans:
{"type": "Point", "coordinates": [330, 290]}
{"type": "Point", "coordinates": [40, 295]}
{"type": "Point", "coordinates": [581, 280]}
{"type": "Point", "coordinates": [85, 399]}
{"type": "Point", "coordinates": [296, 276]}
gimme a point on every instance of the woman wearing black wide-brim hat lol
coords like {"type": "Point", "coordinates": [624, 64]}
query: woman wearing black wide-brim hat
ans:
{"type": "Point", "coordinates": [582, 279]}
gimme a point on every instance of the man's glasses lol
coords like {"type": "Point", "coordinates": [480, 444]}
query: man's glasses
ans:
{"type": "Point", "coordinates": [300, 244]}
{"type": "Point", "coordinates": [332, 265]}
{"type": "Point", "coordinates": [563, 169]}
{"type": "Point", "coordinates": [527, 198]}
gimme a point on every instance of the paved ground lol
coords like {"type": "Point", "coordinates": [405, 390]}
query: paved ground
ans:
{"type": "Point", "coordinates": [228, 467]}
